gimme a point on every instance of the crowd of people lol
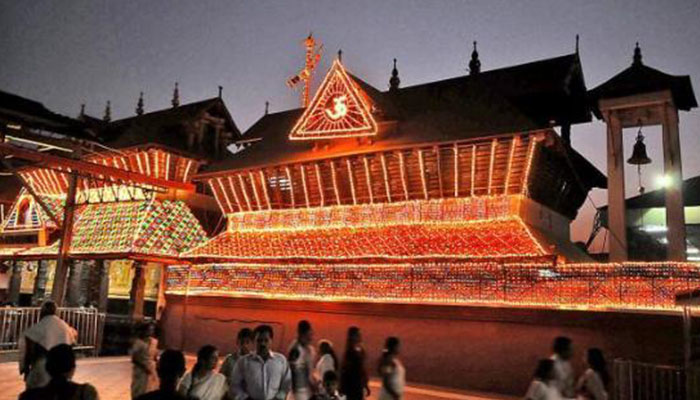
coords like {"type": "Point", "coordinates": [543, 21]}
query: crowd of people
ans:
{"type": "Point", "coordinates": [255, 372]}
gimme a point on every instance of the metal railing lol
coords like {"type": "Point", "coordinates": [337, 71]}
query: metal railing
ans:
{"type": "Point", "coordinates": [634, 380]}
{"type": "Point", "coordinates": [87, 321]}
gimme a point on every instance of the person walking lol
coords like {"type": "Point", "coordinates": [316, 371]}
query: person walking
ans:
{"type": "Point", "coordinates": [543, 385]}
{"type": "Point", "coordinates": [354, 383]}
{"type": "Point", "coordinates": [594, 381]}
{"type": "Point", "coordinates": [49, 332]}
{"type": "Point", "coordinates": [171, 367]}
{"type": "Point", "coordinates": [392, 371]}
{"type": "Point", "coordinates": [144, 354]}
{"type": "Point", "coordinates": [327, 361]}
{"type": "Point", "coordinates": [203, 382]}
{"type": "Point", "coordinates": [244, 345]}
{"type": "Point", "coordinates": [301, 358]}
{"type": "Point", "coordinates": [563, 372]}
{"type": "Point", "coordinates": [60, 364]}
{"type": "Point", "coordinates": [330, 388]}
{"type": "Point", "coordinates": [263, 375]}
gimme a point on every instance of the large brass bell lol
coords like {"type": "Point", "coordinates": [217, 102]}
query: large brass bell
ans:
{"type": "Point", "coordinates": [639, 152]}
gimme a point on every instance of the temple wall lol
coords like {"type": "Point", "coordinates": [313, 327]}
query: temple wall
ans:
{"type": "Point", "coordinates": [477, 348]}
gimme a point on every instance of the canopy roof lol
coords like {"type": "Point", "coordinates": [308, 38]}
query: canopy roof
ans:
{"type": "Point", "coordinates": [136, 229]}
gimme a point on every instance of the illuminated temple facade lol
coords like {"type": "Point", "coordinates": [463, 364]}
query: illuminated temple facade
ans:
{"type": "Point", "coordinates": [433, 212]}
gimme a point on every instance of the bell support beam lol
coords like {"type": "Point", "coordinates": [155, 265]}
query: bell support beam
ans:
{"type": "Point", "coordinates": [675, 212]}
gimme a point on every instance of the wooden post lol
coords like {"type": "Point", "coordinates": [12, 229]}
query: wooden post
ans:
{"type": "Point", "coordinates": [59, 282]}
{"type": "Point", "coordinates": [75, 269]}
{"type": "Point", "coordinates": [15, 283]}
{"type": "Point", "coordinates": [137, 292]}
{"type": "Point", "coordinates": [616, 189]}
{"type": "Point", "coordinates": [42, 276]}
{"type": "Point", "coordinates": [99, 285]}
{"type": "Point", "coordinates": [675, 212]}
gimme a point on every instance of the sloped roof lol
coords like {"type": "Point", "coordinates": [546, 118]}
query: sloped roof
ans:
{"type": "Point", "coordinates": [504, 238]}
{"type": "Point", "coordinates": [638, 79]}
{"type": "Point", "coordinates": [18, 109]}
{"type": "Point", "coordinates": [138, 228]}
{"type": "Point", "coordinates": [509, 100]}
{"type": "Point", "coordinates": [164, 127]}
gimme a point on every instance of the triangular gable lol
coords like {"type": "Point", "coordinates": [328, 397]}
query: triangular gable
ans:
{"type": "Point", "coordinates": [338, 110]}
{"type": "Point", "coordinates": [27, 214]}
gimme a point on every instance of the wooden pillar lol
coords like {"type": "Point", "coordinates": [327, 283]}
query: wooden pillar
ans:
{"type": "Point", "coordinates": [42, 277]}
{"type": "Point", "coordinates": [138, 291]}
{"type": "Point", "coordinates": [15, 283]}
{"type": "Point", "coordinates": [616, 189]}
{"type": "Point", "coordinates": [75, 269]}
{"type": "Point", "coordinates": [59, 281]}
{"type": "Point", "coordinates": [675, 214]}
{"type": "Point", "coordinates": [98, 294]}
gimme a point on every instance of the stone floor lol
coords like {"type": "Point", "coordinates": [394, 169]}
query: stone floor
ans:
{"type": "Point", "coordinates": [111, 377]}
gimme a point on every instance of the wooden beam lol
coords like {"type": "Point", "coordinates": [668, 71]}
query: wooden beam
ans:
{"type": "Point", "coordinates": [320, 184]}
{"type": "Point", "coordinates": [352, 180]}
{"type": "Point", "coordinates": [291, 185]}
{"type": "Point", "coordinates": [255, 190]}
{"type": "Point", "coordinates": [263, 181]}
{"type": "Point", "coordinates": [223, 190]}
{"type": "Point", "coordinates": [368, 179]}
{"type": "Point", "coordinates": [473, 172]}
{"type": "Point", "coordinates": [492, 159]}
{"type": "Point", "coordinates": [436, 149]}
{"type": "Point", "coordinates": [334, 178]}
{"type": "Point", "coordinates": [456, 151]}
{"type": "Point", "coordinates": [385, 172]}
{"type": "Point", "coordinates": [513, 145]}
{"type": "Point", "coordinates": [304, 185]}
{"type": "Point", "coordinates": [423, 180]}
{"type": "Point", "coordinates": [59, 283]}
{"type": "Point", "coordinates": [15, 283]}
{"type": "Point", "coordinates": [235, 194]}
{"type": "Point", "coordinates": [402, 172]}
{"type": "Point", "coordinates": [42, 277]}
{"type": "Point", "coordinates": [245, 192]}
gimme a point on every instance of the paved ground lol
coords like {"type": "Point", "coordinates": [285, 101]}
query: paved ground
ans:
{"type": "Point", "coordinates": [111, 377]}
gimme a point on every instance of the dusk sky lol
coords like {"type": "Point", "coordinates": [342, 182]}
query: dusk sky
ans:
{"type": "Point", "coordinates": [64, 53]}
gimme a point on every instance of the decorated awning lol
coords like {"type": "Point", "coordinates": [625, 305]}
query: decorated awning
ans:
{"type": "Point", "coordinates": [137, 229]}
{"type": "Point", "coordinates": [459, 229]}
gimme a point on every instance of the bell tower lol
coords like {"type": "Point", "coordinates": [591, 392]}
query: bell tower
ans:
{"type": "Point", "coordinates": [636, 97]}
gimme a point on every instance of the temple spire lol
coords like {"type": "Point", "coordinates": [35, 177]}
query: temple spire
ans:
{"type": "Point", "coordinates": [176, 96]}
{"type": "Point", "coordinates": [108, 112]}
{"type": "Point", "coordinates": [267, 107]}
{"type": "Point", "coordinates": [139, 105]}
{"type": "Point", "coordinates": [474, 64]}
{"type": "Point", "coordinates": [577, 43]}
{"type": "Point", "coordinates": [340, 55]}
{"type": "Point", "coordinates": [637, 58]}
{"type": "Point", "coordinates": [82, 111]}
{"type": "Point", "coordinates": [394, 81]}
{"type": "Point", "coordinates": [221, 90]}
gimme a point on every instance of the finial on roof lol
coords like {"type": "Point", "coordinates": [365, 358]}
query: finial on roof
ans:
{"type": "Point", "coordinates": [340, 55]}
{"type": "Point", "coordinates": [577, 43]}
{"type": "Point", "coordinates": [108, 112]}
{"type": "Point", "coordinates": [82, 111]}
{"type": "Point", "coordinates": [221, 89]}
{"type": "Point", "coordinates": [139, 105]}
{"type": "Point", "coordinates": [474, 64]}
{"type": "Point", "coordinates": [637, 58]}
{"type": "Point", "coordinates": [394, 81]}
{"type": "Point", "coordinates": [176, 96]}
{"type": "Point", "coordinates": [267, 107]}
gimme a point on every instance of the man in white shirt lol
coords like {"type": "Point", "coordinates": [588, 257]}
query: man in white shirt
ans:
{"type": "Point", "coordinates": [263, 375]}
{"type": "Point", "coordinates": [563, 372]}
{"type": "Point", "coordinates": [302, 357]}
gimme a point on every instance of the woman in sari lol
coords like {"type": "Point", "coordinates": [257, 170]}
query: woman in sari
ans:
{"type": "Point", "coordinates": [203, 382]}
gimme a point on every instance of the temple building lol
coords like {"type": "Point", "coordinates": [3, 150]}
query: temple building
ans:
{"type": "Point", "coordinates": [436, 212]}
